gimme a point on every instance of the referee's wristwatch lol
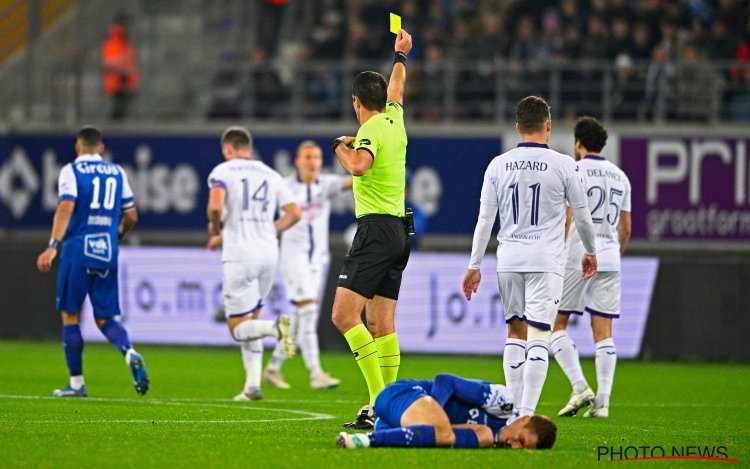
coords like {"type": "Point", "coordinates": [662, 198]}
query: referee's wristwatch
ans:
{"type": "Point", "coordinates": [335, 143]}
{"type": "Point", "coordinates": [54, 244]}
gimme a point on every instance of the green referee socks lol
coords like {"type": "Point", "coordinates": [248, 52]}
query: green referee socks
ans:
{"type": "Point", "coordinates": [389, 356]}
{"type": "Point", "coordinates": [366, 353]}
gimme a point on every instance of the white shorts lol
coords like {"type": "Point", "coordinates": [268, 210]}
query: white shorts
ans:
{"type": "Point", "coordinates": [302, 280]}
{"type": "Point", "coordinates": [531, 296]}
{"type": "Point", "coordinates": [246, 286]}
{"type": "Point", "coordinates": [599, 295]}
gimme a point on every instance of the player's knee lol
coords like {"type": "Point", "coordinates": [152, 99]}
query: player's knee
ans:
{"type": "Point", "coordinates": [444, 435]}
{"type": "Point", "coordinates": [484, 436]}
{"type": "Point", "coordinates": [70, 319]}
{"type": "Point", "coordinates": [561, 322]}
{"type": "Point", "coordinates": [343, 320]}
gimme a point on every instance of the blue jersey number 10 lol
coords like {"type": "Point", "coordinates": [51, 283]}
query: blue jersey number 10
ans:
{"type": "Point", "coordinates": [110, 193]}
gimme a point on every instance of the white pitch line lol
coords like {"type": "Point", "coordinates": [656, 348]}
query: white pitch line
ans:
{"type": "Point", "coordinates": [305, 415]}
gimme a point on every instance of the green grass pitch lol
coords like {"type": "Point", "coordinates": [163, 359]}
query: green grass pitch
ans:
{"type": "Point", "coordinates": [189, 420]}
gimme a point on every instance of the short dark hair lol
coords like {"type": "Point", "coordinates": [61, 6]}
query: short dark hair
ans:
{"type": "Point", "coordinates": [591, 134]}
{"type": "Point", "coordinates": [545, 430]}
{"type": "Point", "coordinates": [90, 137]}
{"type": "Point", "coordinates": [531, 114]}
{"type": "Point", "coordinates": [371, 89]}
{"type": "Point", "coordinates": [238, 137]}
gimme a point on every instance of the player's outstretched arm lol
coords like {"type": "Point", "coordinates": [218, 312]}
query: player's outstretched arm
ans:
{"type": "Point", "coordinates": [127, 222]}
{"type": "Point", "coordinates": [292, 215]}
{"type": "Point", "coordinates": [216, 198]}
{"type": "Point", "coordinates": [397, 82]}
{"type": "Point", "coordinates": [59, 226]}
{"type": "Point", "coordinates": [355, 162]}
{"type": "Point", "coordinates": [585, 228]}
{"type": "Point", "coordinates": [623, 231]}
{"type": "Point", "coordinates": [484, 433]}
{"type": "Point", "coordinates": [482, 232]}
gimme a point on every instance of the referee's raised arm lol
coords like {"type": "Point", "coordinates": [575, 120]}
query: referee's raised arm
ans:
{"type": "Point", "coordinates": [398, 75]}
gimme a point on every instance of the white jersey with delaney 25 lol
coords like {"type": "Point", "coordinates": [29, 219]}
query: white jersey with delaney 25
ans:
{"type": "Point", "coordinates": [529, 184]}
{"type": "Point", "coordinates": [608, 191]}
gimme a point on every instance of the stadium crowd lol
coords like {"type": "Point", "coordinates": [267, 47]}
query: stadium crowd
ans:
{"type": "Point", "coordinates": [647, 56]}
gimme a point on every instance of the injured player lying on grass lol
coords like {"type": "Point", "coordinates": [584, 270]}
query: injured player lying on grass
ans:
{"type": "Point", "coordinates": [450, 411]}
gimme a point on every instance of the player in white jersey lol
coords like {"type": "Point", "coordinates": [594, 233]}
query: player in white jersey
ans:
{"type": "Point", "coordinates": [529, 187]}
{"type": "Point", "coordinates": [304, 255]}
{"type": "Point", "coordinates": [608, 190]}
{"type": "Point", "coordinates": [243, 200]}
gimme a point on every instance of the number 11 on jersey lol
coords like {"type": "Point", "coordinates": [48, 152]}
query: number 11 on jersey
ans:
{"type": "Point", "coordinates": [535, 191]}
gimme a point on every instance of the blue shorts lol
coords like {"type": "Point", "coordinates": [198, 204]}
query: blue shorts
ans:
{"type": "Point", "coordinates": [75, 281]}
{"type": "Point", "coordinates": [393, 401]}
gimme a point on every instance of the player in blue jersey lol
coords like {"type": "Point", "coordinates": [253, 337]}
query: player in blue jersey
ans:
{"type": "Point", "coordinates": [95, 209]}
{"type": "Point", "coordinates": [450, 411]}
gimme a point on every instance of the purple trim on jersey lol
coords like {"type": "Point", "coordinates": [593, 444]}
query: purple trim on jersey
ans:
{"type": "Point", "coordinates": [310, 228]}
{"type": "Point", "coordinates": [533, 145]}
{"type": "Point", "coordinates": [299, 180]}
{"type": "Point", "coordinates": [540, 325]}
{"type": "Point", "coordinates": [595, 157]}
{"type": "Point", "coordinates": [67, 197]}
{"type": "Point", "coordinates": [239, 315]}
{"type": "Point", "coordinates": [508, 321]}
{"type": "Point", "coordinates": [569, 312]}
{"type": "Point", "coordinates": [601, 313]}
{"type": "Point", "coordinates": [517, 345]}
{"type": "Point", "coordinates": [219, 184]}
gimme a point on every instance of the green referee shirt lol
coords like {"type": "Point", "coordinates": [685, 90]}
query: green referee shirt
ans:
{"type": "Point", "coordinates": [381, 188]}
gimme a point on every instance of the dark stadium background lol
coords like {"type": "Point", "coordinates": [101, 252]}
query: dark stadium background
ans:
{"type": "Point", "coordinates": [670, 80]}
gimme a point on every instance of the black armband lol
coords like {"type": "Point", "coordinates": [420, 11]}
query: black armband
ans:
{"type": "Point", "coordinates": [400, 58]}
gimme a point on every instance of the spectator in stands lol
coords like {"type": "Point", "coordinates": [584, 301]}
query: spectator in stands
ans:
{"type": "Point", "coordinates": [740, 82]}
{"type": "Point", "coordinates": [269, 24]}
{"type": "Point", "coordinates": [642, 44]}
{"type": "Point", "coordinates": [694, 82]}
{"type": "Point", "coordinates": [269, 93]}
{"type": "Point", "coordinates": [596, 42]}
{"type": "Point", "coordinates": [627, 90]}
{"type": "Point", "coordinates": [428, 85]}
{"type": "Point", "coordinates": [659, 78]}
{"type": "Point", "coordinates": [621, 42]}
{"type": "Point", "coordinates": [119, 62]}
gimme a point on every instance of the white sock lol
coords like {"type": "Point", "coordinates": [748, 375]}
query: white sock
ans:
{"type": "Point", "coordinates": [255, 329]}
{"type": "Point", "coordinates": [534, 375]}
{"type": "Point", "coordinates": [514, 357]}
{"type": "Point", "coordinates": [278, 356]}
{"type": "Point", "coordinates": [307, 320]}
{"type": "Point", "coordinates": [564, 351]}
{"type": "Point", "coordinates": [606, 359]}
{"type": "Point", "coordinates": [76, 381]}
{"type": "Point", "coordinates": [252, 358]}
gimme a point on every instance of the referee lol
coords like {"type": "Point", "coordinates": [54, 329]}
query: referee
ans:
{"type": "Point", "coordinates": [371, 274]}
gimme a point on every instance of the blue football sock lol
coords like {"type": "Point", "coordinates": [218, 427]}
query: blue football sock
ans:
{"type": "Point", "coordinates": [465, 438]}
{"type": "Point", "coordinates": [73, 346]}
{"type": "Point", "coordinates": [416, 436]}
{"type": "Point", "coordinates": [115, 333]}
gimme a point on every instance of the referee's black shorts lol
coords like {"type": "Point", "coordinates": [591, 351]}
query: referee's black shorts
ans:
{"type": "Point", "coordinates": [378, 256]}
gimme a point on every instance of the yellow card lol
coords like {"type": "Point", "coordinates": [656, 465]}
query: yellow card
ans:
{"type": "Point", "coordinates": [395, 23]}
